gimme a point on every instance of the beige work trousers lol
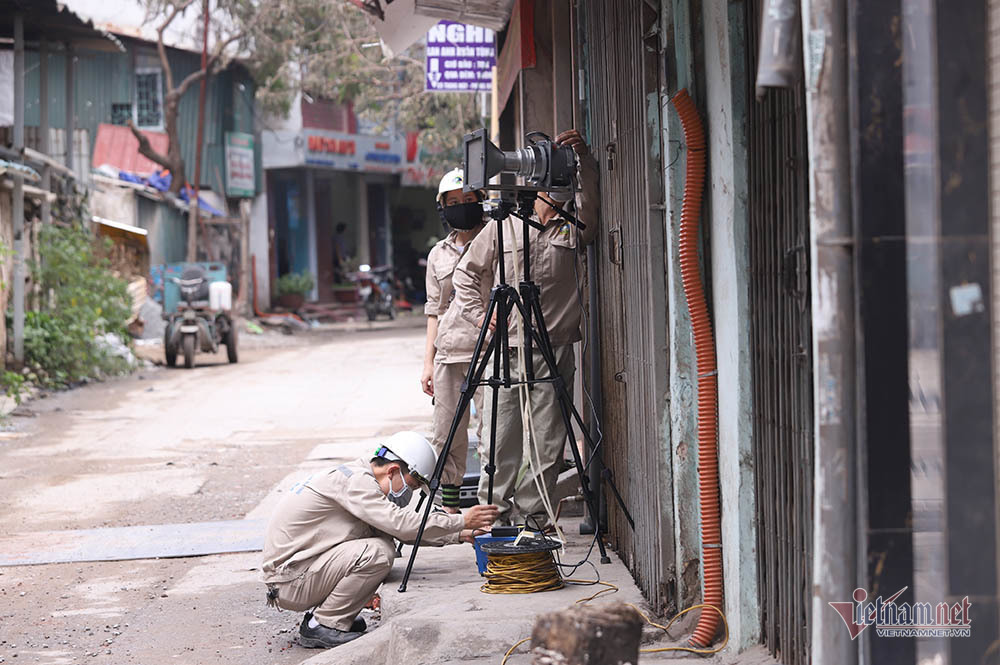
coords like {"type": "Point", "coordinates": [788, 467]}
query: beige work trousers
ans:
{"type": "Point", "coordinates": [448, 378]}
{"type": "Point", "coordinates": [511, 449]}
{"type": "Point", "coordinates": [339, 582]}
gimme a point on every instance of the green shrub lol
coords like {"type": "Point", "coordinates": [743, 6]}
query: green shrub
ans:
{"type": "Point", "coordinates": [81, 300]}
{"type": "Point", "coordinates": [295, 283]}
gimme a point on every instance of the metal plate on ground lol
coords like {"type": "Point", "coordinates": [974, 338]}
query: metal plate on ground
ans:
{"type": "Point", "coordinates": [526, 546]}
{"type": "Point", "coordinates": [159, 541]}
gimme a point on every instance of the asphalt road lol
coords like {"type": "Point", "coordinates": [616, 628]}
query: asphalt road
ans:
{"type": "Point", "coordinates": [180, 446]}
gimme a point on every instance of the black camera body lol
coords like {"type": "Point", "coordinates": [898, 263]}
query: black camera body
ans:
{"type": "Point", "coordinates": [545, 165]}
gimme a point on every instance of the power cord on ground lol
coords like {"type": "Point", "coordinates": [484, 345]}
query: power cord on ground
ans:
{"type": "Point", "coordinates": [611, 588]}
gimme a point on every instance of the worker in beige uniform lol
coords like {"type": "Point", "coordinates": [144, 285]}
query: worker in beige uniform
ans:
{"type": "Point", "coordinates": [450, 338]}
{"type": "Point", "coordinates": [329, 543]}
{"type": "Point", "coordinates": [554, 270]}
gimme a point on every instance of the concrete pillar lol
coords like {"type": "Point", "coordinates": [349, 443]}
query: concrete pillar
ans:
{"type": "Point", "coordinates": [725, 89]}
{"type": "Point", "coordinates": [260, 251]}
{"type": "Point", "coordinates": [311, 227]}
{"type": "Point", "coordinates": [18, 202]}
{"type": "Point", "coordinates": [832, 250]}
{"type": "Point", "coordinates": [562, 65]}
{"type": "Point", "coordinates": [535, 84]}
{"type": "Point", "coordinates": [43, 125]}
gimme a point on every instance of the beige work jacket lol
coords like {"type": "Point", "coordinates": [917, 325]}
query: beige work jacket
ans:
{"type": "Point", "coordinates": [335, 506]}
{"type": "Point", "coordinates": [553, 263]}
{"type": "Point", "coordinates": [456, 337]}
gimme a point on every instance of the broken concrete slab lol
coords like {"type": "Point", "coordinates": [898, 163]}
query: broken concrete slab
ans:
{"type": "Point", "coordinates": [160, 541]}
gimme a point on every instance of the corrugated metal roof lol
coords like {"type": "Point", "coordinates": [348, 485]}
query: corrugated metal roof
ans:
{"type": "Point", "coordinates": [128, 18]}
{"type": "Point", "coordinates": [115, 145]}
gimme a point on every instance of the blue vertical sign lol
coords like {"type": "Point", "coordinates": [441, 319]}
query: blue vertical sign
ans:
{"type": "Point", "coordinates": [459, 58]}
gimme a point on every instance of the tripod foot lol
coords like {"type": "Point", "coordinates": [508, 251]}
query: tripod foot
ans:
{"type": "Point", "coordinates": [605, 559]}
{"type": "Point", "coordinates": [402, 587]}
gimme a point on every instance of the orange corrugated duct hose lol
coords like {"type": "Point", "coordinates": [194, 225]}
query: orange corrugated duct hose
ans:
{"type": "Point", "coordinates": [708, 390]}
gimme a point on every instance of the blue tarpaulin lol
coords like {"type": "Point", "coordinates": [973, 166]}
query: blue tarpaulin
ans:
{"type": "Point", "coordinates": [160, 181]}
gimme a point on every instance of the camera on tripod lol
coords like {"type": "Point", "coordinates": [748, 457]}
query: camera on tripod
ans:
{"type": "Point", "coordinates": [545, 165]}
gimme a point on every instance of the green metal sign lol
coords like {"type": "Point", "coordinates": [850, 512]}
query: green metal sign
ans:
{"type": "Point", "coordinates": [240, 179]}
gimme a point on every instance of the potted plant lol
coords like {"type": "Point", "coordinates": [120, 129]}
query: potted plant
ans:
{"type": "Point", "coordinates": [346, 291]}
{"type": "Point", "coordinates": [292, 288]}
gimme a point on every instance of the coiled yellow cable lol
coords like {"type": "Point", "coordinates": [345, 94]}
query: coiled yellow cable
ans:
{"type": "Point", "coordinates": [521, 573]}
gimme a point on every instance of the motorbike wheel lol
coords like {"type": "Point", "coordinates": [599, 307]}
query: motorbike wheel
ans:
{"type": "Point", "coordinates": [189, 350]}
{"type": "Point", "coordinates": [230, 342]}
{"type": "Point", "coordinates": [371, 310]}
{"type": "Point", "coordinates": [169, 351]}
{"type": "Point", "coordinates": [392, 312]}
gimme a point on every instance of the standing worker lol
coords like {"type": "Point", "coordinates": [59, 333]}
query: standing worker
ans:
{"type": "Point", "coordinates": [329, 543]}
{"type": "Point", "coordinates": [450, 338]}
{"type": "Point", "coordinates": [554, 271]}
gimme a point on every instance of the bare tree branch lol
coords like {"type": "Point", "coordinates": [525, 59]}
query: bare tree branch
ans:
{"type": "Point", "coordinates": [167, 71]}
{"type": "Point", "coordinates": [146, 148]}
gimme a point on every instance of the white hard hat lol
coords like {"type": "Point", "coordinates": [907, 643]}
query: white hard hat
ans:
{"type": "Point", "coordinates": [414, 450]}
{"type": "Point", "coordinates": [452, 180]}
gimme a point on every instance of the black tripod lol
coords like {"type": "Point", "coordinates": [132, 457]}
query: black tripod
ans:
{"type": "Point", "coordinates": [504, 301]}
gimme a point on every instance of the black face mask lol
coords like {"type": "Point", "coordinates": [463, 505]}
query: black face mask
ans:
{"type": "Point", "coordinates": [463, 216]}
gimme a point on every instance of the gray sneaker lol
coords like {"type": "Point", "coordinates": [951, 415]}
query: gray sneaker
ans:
{"type": "Point", "coordinates": [322, 637]}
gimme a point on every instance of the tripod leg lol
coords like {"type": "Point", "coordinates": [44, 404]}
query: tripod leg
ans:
{"type": "Point", "coordinates": [435, 482]}
{"type": "Point", "coordinates": [544, 345]}
{"type": "Point", "coordinates": [476, 369]}
{"type": "Point", "coordinates": [563, 396]}
{"type": "Point", "coordinates": [595, 454]}
{"type": "Point", "coordinates": [529, 360]}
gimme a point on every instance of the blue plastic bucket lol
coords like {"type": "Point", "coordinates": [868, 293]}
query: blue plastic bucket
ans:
{"type": "Point", "coordinates": [481, 555]}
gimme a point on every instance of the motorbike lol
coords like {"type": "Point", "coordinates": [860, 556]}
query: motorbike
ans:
{"type": "Point", "coordinates": [377, 291]}
{"type": "Point", "coordinates": [202, 320]}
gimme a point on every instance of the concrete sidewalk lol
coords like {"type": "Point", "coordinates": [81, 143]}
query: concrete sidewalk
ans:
{"type": "Point", "coordinates": [445, 618]}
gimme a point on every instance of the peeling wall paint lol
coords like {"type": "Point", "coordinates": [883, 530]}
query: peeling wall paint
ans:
{"type": "Point", "coordinates": [726, 213]}
{"type": "Point", "coordinates": [683, 427]}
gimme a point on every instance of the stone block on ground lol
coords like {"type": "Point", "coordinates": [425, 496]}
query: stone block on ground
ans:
{"type": "Point", "coordinates": [607, 634]}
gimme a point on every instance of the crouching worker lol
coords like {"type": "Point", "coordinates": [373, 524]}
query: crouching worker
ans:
{"type": "Point", "coordinates": [329, 544]}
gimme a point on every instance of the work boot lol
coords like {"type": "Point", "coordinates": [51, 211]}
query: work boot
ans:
{"type": "Point", "coordinates": [357, 626]}
{"type": "Point", "coordinates": [322, 637]}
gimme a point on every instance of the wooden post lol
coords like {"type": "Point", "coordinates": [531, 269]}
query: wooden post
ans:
{"type": "Point", "coordinates": [192, 244]}
{"type": "Point", "coordinates": [588, 635]}
{"type": "Point", "coordinates": [70, 105]}
{"type": "Point", "coordinates": [43, 125]}
{"type": "Point", "coordinates": [18, 202]}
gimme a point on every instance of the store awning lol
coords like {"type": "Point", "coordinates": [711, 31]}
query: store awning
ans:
{"type": "Point", "coordinates": [401, 23]}
{"type": "Point", "coordinates": [492, 14]}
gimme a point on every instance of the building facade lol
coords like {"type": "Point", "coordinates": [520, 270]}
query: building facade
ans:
{"type": "Point", "coordinates": [321, 172]}
{"type": "Point", "coordinates": [844, 243]}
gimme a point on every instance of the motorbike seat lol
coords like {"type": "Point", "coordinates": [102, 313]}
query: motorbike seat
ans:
{"type": "Point", "coordinates": [193, 285]}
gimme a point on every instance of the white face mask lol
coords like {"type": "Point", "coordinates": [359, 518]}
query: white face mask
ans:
{"type": "Point", "coordinates": [403, 496]}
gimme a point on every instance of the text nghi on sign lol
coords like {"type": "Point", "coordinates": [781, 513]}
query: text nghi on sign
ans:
{"type": "Point", "coordinates": [459, 58]}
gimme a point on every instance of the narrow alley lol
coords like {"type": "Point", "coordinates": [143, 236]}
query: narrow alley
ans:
{"type": "Point", "coordinates": [175, 446]}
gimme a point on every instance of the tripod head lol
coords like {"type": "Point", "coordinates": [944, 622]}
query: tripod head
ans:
{"type": "Point", "coordinates": [521, 204]}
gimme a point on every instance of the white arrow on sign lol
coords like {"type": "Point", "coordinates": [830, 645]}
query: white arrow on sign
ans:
{"type": "Point", "coordinates": [433, 74]}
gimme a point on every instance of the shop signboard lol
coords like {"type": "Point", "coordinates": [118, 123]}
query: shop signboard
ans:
{"type": "Point", "coordinates": [354, 152]}
{"type": "Point", "coordinates": [459, 58]}
{"type": "Point", "coordinates": [240, 172]}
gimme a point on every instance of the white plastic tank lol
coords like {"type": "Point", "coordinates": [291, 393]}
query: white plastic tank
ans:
{"type": "Point", "coordinates": [220, 296]}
